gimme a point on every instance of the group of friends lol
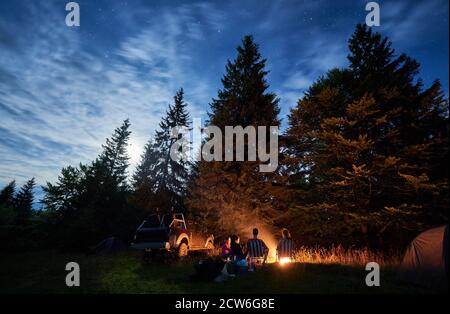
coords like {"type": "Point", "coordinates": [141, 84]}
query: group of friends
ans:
{"type": "Point", "coordinates": [255, 252]}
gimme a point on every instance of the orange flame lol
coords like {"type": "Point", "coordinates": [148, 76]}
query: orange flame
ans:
{"type": "Point", "coordinates": [285, 260]}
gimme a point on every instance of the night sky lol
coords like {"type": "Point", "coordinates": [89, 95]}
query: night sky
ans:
{"type": "Point", "coordinates": [64, 90]}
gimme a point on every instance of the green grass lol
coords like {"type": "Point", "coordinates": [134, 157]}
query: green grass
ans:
{"type": "Point", "coordinates": [44, 272]}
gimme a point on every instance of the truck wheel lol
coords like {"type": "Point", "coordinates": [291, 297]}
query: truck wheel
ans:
{"type": "Point", "coordinates": [183, 250]}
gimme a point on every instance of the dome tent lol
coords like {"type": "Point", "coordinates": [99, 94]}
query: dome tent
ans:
{"type": "Point", "coordinates": [109, 246]}
{"type": "Point", "coordinates": [425, 262]}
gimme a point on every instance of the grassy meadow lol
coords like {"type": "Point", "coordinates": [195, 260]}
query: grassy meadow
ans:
{"type": "Point", "coordinates": [321, 271]}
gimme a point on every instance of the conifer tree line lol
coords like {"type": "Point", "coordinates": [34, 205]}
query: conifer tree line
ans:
{"type": "Point", "coordinates": [16, 214]}
{"type": "Point", "coordinates": [363, 161]}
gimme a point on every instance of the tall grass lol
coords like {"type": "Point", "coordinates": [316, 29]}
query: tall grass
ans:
{"type": "Point", "coordinates": [342, 256]}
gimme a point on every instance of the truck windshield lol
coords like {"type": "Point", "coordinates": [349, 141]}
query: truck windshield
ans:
{"type": "Point", "coordinates": [176, 221]}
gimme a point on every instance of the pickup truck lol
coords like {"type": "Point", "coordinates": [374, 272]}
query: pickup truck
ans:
{"type": "Point", "coordinates": [171, 233]}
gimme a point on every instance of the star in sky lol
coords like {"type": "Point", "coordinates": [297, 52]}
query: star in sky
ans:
{"type": "Point", "coordinates": [64, 90]}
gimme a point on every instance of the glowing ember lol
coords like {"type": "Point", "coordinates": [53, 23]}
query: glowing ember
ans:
{"type": "Point", "coordinates": [285, 260]}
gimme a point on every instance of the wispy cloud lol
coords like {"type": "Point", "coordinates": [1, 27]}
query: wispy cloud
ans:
{"type": "Point", "coordinates": [60, 101]}
{"type": "Point", "coordinates": [405, 21]}
{"type": "Point", "coordinates": [64, 90]}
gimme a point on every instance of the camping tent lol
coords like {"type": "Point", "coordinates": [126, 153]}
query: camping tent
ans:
{"type": "Point", "coordinates": [109, 246]}
{"type": "Point", "coordinates": [425, 262]}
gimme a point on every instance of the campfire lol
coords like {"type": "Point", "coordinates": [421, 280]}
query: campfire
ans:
{"type": "Point", "coordinates": [285, 260]}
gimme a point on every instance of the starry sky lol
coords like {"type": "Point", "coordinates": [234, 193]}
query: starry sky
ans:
{"type": "Point", "coordinates": [64, 90]}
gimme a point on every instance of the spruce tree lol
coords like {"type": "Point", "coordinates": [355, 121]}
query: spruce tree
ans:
{"type": "Point", "coordinates": [172, 175]}
{"type": "Point", "coordinates": [115, 157]}
{"type": "Point", "coordinates": [364, 151]}
{"type": "Point", "coordinates": [23, 202]}
{"type": "Point", "coordinates": [7, 194]}
{"type": "Point", "coordinates": [106, 187]}
{"type": "Point", "coordinates": [8, 237]}
{"type": "Point", "coordinates": [144, 193]}
{"type": "Point", "coordinates": [234, 196]}
{"type": "Point", "coordinates": [244, 99]}
{"type": "Point", "coordinates": [64, 195]}
{"type": "Point", "coordinates": [145, 169]}
{"type": "Point", "coordinates": [89, 202]}
{"type": "Point", "coordinates": [160, 181]}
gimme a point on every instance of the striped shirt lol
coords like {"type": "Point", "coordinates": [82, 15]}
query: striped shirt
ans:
{"type": "Point", "coordinates": [256, 248]}
{"type": "Point", "coordinates": [285, 248]}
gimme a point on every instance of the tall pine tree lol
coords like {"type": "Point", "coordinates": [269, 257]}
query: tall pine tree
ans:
{"type": "Point", "coordinates": [8, 237]}
{"type": "Point", "coordinates": [89, 203]}
{"type": "Point", "coordinates": [7, 194]}
{"type": "Point", "coordinates": [234, 196]}
{"type": "Point", "coordinates": [160, 181]}
{"type": "Point", "coordinates": [368, 146]}
{"type": "Point", "coordinates": [23, 202]}
{"type": "Point", "coordinates": [115, 157]}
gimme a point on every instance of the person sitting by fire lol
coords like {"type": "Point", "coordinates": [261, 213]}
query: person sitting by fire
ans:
{"type": "Point", "coordinates": [236, 250]}
{"type": "Point", "coordinates": [238, 264]}
{"type": "Point", "coordinates": [286, 246]}
{"type": "Point", "coordinates": [226, 249]}
{"type": "Point", "coordinates": [257, 250]}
